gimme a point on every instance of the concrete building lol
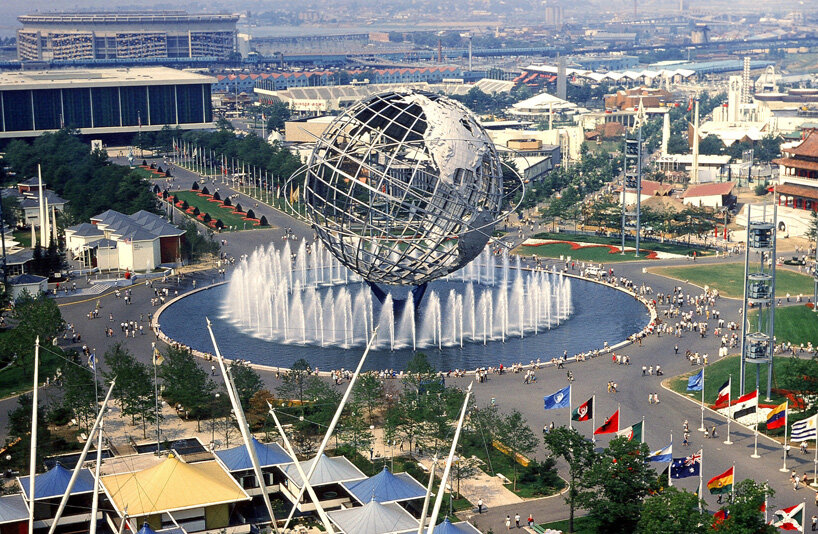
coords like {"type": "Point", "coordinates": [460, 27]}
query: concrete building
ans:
{"type": "Point", "coordinates": [103, 101]}
{"type": "Point", "coordinates": [30, 283]}
{"type": "Point", "coordinates": [115, 241]}
{"type": "Point", "coordinates": [125, 35]}
{"type": "Point", "coordinates": [712, 168]}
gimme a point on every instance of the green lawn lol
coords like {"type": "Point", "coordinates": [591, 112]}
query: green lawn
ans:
{"type": "Point", "coordinates": [796, 324]}
{"type": "Point", "coordinates": [582, 525]}
{"type": "Point", "coordinates": [593, 254]}
{"type": "Point", "coordinates": [23, 237]}
{"type": "Point", "coordinates": [146, 174]}
{"type": "Point", "coordinates": [15, 379]}
{"type": "Point", "coordinates": [728, 278]}
{"type": "Point", "coordinates": [630, 242]}
{"type": "Point", "coordinates": [230, 220]}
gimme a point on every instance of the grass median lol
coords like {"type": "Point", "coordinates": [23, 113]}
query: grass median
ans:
{"type": "Point", "coordinates": [796, 324]}
{"type": "Point", "coordinates": [231, 220]}
{"type": "Point", "coordinates": [728, 278]}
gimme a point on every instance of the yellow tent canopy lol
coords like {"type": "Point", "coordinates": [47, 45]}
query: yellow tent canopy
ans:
{"type": "Point", "coordinates": [172, 485]}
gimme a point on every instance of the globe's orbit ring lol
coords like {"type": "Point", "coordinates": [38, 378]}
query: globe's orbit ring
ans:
{"type": "Point", "coordinates": [406, 187]}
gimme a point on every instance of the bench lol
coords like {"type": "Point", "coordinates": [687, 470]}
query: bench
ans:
{"type": "Point", "coordinates": [503, 478]}
{"type": "Point", "coordinates": [538, 529]}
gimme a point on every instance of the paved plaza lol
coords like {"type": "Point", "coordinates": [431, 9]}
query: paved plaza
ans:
{"type": "Point", "coordinates": [508, 390]}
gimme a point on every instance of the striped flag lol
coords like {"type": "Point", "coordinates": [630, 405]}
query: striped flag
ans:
{"type": "Point", "coordinates": [777, 416]}
{"type": "Point", "coordinates": [724, 393]}
{"type": "Point", "coordinates": [746, 405]}
{"type": "Point", "coordinates": [662, 455]}
{"type": "Point", "coordinates": [633, 432]}
{"type": "Point", "coordinates": [805, 430]}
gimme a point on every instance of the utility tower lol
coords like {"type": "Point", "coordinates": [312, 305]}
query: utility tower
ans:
{"type": "Point", "coordinates": [632, 178]}
{"type": "Point", "coordinates": [757, 341]}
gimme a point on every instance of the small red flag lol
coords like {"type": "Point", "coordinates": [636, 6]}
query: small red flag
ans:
{"type": "Point", "coordinates": [610, 426]}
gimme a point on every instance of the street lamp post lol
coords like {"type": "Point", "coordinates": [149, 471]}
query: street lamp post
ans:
{"type": "Point", "coordinates": [213, 422]}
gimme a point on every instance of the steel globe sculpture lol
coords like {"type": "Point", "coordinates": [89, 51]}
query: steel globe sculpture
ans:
{"type": "Point", "coordinates": [405, 187]}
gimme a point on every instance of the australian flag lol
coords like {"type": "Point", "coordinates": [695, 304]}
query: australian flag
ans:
{"type": "Point", "coordinates": [688, 466]}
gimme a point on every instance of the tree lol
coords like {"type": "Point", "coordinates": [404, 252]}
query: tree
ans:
{"type": "Point", "coordinates": [612, 489]}
{"type": "Point", "coordinates": [247, 381]}
{"type": "Point", "coordinates": [32, 317]}
{"type": "Point", "coordinates": [134, 386]}
{"type": "Point", "coordinates": [196, 245]}
{"type": "Point", "coordinates": [294, 382]}
{"type": "Point", "coordinates": [518, 437]}
{"type": "Point", "coordinates": [711, 145]}
{"type": "Point", "coordinates": [578, 453]}
{"type": "Point", "coordinates": [79, 393]}
{"type": "Point", "coordinates": [19, 426]}
{"type": "Point", "coordinates": [745, 516]}
{"type": "Point", "coordinates": [185, 383]}
{"type": "Point", "coordinates": [812, 232]}
{"type": "Point", "coordinates": [223, 124]}
{"type": "Point", "coordinates": [672, 510]}
{"type": "Point", "coordinates": [368, 393]}
{"type": "Point", "coordinates": [11, 207]}
{"type": "Point", "coordinates": [354, 430]}
{"type": "Point", "coordinates": [277, 114]}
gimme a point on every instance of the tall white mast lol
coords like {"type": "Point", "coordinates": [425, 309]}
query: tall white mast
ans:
{"type": "Point", "coordinates": [32, 467]}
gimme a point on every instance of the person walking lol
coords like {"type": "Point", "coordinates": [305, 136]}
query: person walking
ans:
{"type": "Point", "coordinates": [517, 520]}
{"type": "Point", "coordinates": [530, 520]}
{"type": "Point", "coordinates": [480, 505]}
{"type": "Point", "coordinates": [508, 522]}
{"type": "Point", "coordinates": [814, 522]}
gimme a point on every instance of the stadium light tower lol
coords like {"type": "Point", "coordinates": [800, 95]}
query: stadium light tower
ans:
{"type": "Point", "coordinates": [632, 179]}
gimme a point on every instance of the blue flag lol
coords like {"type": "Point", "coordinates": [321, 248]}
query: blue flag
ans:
{"type": "Point", "coordinates": [688, 466]}
{"type": "Point", "coordinates": [662, 455]}
{"type": "Point", "coordinates": [560, 399]}
{"type": "Point", "coordinates": [696, 382]}
{"type": "Point", "coordinates": [92, 361]}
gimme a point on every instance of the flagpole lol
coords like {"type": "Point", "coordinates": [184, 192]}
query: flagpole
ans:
{"type": "Point", "coordinates": [570, 407]}
{"type": "Point", "coordinates": [618, 417]}
{"type": "Point", "coordinates": [156, 401]}
{"type": "Point", "coordinates": [729, 407]}
{"type": "Point", "coordinates": [733, 485]}
{"type": "Point", "coordinates": [32, 466]}
{"type": "Point", "coordinates": [786, 409]}
{"type": "Point", "coordinates": [643, 429]}
{"type": "Point", "coordinates": [701, 480]}
{"type": "Point", "coordinates": [755, 428]}
{"type": "Point", "coordinates": [815, 466]}
{"type": "Point", "coordinates": [593, 422]}
{"type": "Point", "coordinates": [670, 465]}
{"type": "Point", "coordinates": [701, 428]}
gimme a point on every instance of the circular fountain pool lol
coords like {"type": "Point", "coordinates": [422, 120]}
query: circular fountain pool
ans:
{"type": "Point", "coordinates": [280, 306]}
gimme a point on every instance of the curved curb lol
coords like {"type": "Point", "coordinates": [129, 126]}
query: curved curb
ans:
{"type": "Point", "coordinates": [161, 336]}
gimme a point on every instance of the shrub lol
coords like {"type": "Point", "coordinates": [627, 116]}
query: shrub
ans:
{"type": "Point", "coordinates": [206, 218]}
{"type": "Point", "coordinates": [167, 173]}
{"type": "Point", "coordinates": [263, 221]}
{"type": "Point", "coordinates": [219, 224]}
{"type": "Point", "coordinates": [205, 191]}
{"type": "Point", "coordinates": [195, 186]}
{"type": "Point", "coordinates": [159, 169]}
{"type": "Point", "coordinates": [216, 196]}
{"type": "Point", "coordinates": [196, 212]}
{"type": "Point", "coordinates": [238, 207]}
{"type": "Point", "coordinates": [185, 205]}
{"type": "Point", "coordinates": [153, 166]}
{"type": "Point", "coordinates": [144, 163]}
{"type": "Point", "coordinates": [156, 189]}
{"type": "Point", "coordinates": [227, 202]}
{"type": "Point", "coordinates": [165, 194]}
{"type": "Point", "coordinates": [251, 214]}
{"type": "Point", "coordinates": [761, 189]}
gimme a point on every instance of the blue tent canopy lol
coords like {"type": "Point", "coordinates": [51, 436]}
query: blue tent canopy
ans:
{"type": "Point", "coordinates": [146, 529]}
{"type": "Point", "coordinates": [54, 483]}
{"type": "Point", "coordinates": [447, 527]}
{"type": "Point", "coordinates": [386, 487]}
{"type": "Point", "coordinates": [238, 459]}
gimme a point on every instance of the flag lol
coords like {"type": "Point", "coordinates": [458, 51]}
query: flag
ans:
{"type": "Point", "coordinates": [157, 357]}
{"type": "Point", "coordinates": [720, 517]}
{"type": "Point", "coordinates": [791, 518]}
{"type": "Point", "coordinates": [560, 399]}
{"type": "Point", "coordinates": [633, 432]}
{"type": "Point", "coordinates": [777, 416]}
{"type": "Point", "coordinates": [722, 483]}
{"type": "Point", "coordinates": [805, 429]}
{"type": "Point", "coordinates": [610, 425]}
{"type": "Point", "coordinates": [696, 382]}
{"type": "Point", "coordinates": [688, 466]}
{"type": "Point", "coordinates": [690, 105]}
{"type": "Point", "coordinates": [662, 455]}
{"type": "Point", "coordinates": [724, 393]}
{"type": "Point", "coordinates": [92, 361]}
{"type": "Point", "coordinates": [746, 405]}
{"type": "Point", "coordinates": [583, 412]}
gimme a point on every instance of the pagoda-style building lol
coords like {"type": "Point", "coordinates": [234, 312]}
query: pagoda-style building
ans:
{"type": "Point", "coordinates": [797, 189]}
